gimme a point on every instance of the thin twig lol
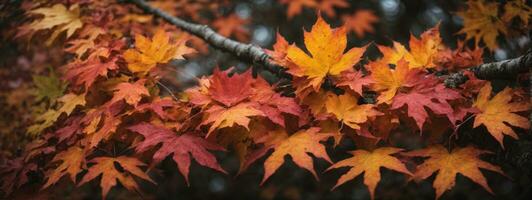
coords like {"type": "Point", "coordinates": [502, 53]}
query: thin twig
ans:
{"type": "Point", "coordinates": [167, 90]}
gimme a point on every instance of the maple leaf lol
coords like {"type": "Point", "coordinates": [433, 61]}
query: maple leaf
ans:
{"type": "Point", "coordinates": [481, 22]}
{"type": "Point", "coordinates": [423, 51]}
{"type": "Point", "coordinates": [110, 124]}
{"type": "Point", "coordinates": [272, 104]}
{"type": "Point", "coordinates": [497, 111]}
{"type": "Point", "coordinates": [346, 109]}
{"type": "Point", "coordinates": [85, 72]}
{"type": "Point", "coordinates": [296, 6]}
{"type": "Point", "coordinates": [232, 25]}
{"type": "Point", "coordinates": [327, 6]}
{"type": "Point", "coordinates": [86, 40]}
{"type": "Point", "coordinates": [427, 92]}
{"type": "Point", "coordinates": [56, 16]}
{"type": "Point", "coordinates": [465, 161]}
{"type": "Point", "coordinates": [106, 166]}
{"type": "Point", "coordinates": [149, 52]}
{"type": "Point", "coordinates": [297, 146]}
{"type": "Point", "coordinates": [460, 58]}
{"type": "Point", "coordinates": [517, 8]}
{"type": "Point", "coordinates": [387, 81]}
{"type": "Point", "coordinates": [48, 87]}
{"type": "Point", "coordinates": [181, 146]}
{"type": "Point", "coordinates": [157, 106]}
{"type": "Point", "coordinates": [239, 114]}
{"type": "Point", "coordinates": [354, 80]}
{"type": "Point", "coordinates": [130, 92]}
{"type": "Point", "coordinates": [70, 102]}
{"type": "Point", "coordinates": [230, 90]}
{"type": "Point", "coordinates": [14, 173]}
{"type": "Point", "coordinates": [370, 163]}
{"type": "Point", "coordinates": [72, 161]}
{"type": "Point", "coordinates": [361, 22]}
{"type": "Point", "coordinates": [65, 133]}
{"type": "Point", "coordinates": [326, 47]}
{"type": "Point", "coordinates": [278, 55]}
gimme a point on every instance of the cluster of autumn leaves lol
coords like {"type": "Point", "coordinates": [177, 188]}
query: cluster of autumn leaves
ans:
{"type": "Point", "coordinates": [114, 99]}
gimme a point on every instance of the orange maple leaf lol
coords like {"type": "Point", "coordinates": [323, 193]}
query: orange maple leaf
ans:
{"type": "Point", "coordinates": [327, 6]}
{"type": "Point", "coordinates": [73, 160]}
{"type": "Point", "coordinates": [296, 6]}
{"type": "Point", "coordinates": [149, 52]}
{"type": "Point", "coordinates": [85, 40]}
{"type": "Point", "coordinates": [499, 110]}
{"type": "Point", "coordinates": [423, 51]}
{"type": "Point", "coordinates": [481, 22]}
{"type": "Point", "coordinates": [461, 160]}
{"type": "Point", "coordinates": [232, 25]}
{"type": "Point", "coordinates": [370, 163]}
{"type": "Point", "coordinates": [360, 22]}
{"type": "Point", "coordinates": [298, 146]}
{"type": "Point", "coordinates": [387, 81]}
{"type": "Point", "coordinates": [326, 47]}
{"type": "Point", "coordinates": [346, 109]}
{"type": "Point", "coordinates": [130, 92]}
{"type": "Point", "coordinates": [106, 167]}
{"type": "Point", "coordinates": [517, 8]}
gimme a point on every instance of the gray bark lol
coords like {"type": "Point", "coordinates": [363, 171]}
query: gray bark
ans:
{"type": "Point", "coordinates": [506, 69]}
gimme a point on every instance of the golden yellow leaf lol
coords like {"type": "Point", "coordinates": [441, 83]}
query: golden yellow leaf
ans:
{"type": "Point", "coordinates": [326, 47]}
{"type": "Point", "coordinates": [149, 52]}
{"type": "Point", "coordinates": [56, 16]}
{"type": "Point", "coordinates": [346, 109]}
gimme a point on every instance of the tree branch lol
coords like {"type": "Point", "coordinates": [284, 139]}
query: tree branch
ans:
{"type": "Point", "coordinates": [506, 69]}
{"type": "Point", "coordinates": [496, 70]}
{"type": "Point", "coordinates": [243, 51]}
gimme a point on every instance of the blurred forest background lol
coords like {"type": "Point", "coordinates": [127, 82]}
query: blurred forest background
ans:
{"type": "Point", "coordinates": [258, 22]}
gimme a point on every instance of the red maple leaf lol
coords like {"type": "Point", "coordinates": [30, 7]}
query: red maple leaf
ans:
{"type": "Point", "coordinates": [427, 92]}
{"type": "Point", "coordinates": [181, 146]}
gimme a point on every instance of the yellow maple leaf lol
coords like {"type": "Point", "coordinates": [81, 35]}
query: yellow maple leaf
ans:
{"type": "Point", "coordinates": [56, 16]}
{"type": "Point", "coordinates": [346, 109]}
{"type": "Point", "coordinates": [149, 52]}
{"type": "Point", "coordinates": [481, 22]}
{"type": "Point", "coordinates": [386, 80]}
{"type": "Point", "coordinates": [498, 111]}
{"type": "Point", "coordinates": [370, 164]}
{"type": "Point", "coordinates": [461, 160]}
{"type": "Point", "coordinates": [326, 47]}
{"type": "Point", "coordinates": [70, 101]}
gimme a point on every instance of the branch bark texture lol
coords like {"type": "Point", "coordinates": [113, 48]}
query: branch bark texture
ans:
{"type": "Point", "coordinates": [505, 69]}
{"type": "Point", "coordinates": [243, 51]}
